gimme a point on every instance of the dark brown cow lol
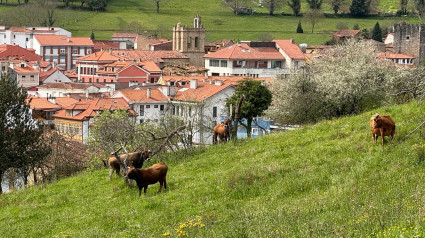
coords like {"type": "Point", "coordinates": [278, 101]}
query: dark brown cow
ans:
{"type": "Point", "coordinates": [135, 159]}
{"type": "Point", "coordinates": [382, 126]}
{"type": "Point", "coordinates": [146, 176]}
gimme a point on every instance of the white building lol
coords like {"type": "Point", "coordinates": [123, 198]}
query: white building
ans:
{"type": "Point", "coordinates": [24, 36]}
{"type": "Point", "coordinates": [66, 89]}
{"type": "Point", "coordinates": [255, 59]}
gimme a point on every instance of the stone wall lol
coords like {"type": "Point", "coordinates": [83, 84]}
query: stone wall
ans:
{"type": "Point", "coordinates": [409, 39]}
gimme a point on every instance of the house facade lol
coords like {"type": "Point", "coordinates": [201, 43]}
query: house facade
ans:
{"type": "Point", "coordinates": [24, 36]}
{"type": "Point", "coordinates": [73, 122]}
{"type": "Point", "coordinates": [61, 49]}
{"type": "Point", "coordinates": [255, 59]}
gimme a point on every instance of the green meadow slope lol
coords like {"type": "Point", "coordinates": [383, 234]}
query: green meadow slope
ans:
{"type": "Point", "coordinates": [219, 21]}
{"type": "Point", "coordinates": [324, 180]}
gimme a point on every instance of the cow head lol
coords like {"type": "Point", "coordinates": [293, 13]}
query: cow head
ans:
{"type": "Point", "coordinates": [146, 155]}
{"type": "Point", "coordinates": [376, 121]}
{"type": "Point", "coordinates": [131, 173]}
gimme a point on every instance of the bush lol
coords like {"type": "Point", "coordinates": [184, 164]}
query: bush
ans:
{"type": "Point", "coordinates": [299, 28]}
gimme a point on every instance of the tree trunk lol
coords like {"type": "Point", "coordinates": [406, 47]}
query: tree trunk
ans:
{"type": "Point", "coordinates": [157, 6]}
{"type": "Point", "coordinates": [271, 13]}
{"type": "Point", "coordinates": [1, 181]}
{"type": "Point", "coordinates": [234, 131]}
{"type": "Point", "coordinates": [249, 127]}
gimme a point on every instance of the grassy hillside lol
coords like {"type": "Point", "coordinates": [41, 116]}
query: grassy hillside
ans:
{"type": "Point", "coordinates": [324, 180]}
{"type": "Point", "coordinates": [219, 21]}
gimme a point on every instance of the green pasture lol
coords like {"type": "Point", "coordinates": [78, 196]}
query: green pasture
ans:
{"type": "Point", "coordinates": [323, 180]}
{"type": "Point", "coordinates": [219, 21]}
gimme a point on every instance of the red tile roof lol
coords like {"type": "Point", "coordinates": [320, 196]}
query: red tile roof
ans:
{"type": "Point", "coordinates": [98, 56]}
{"type": "Point", "coordinates": [105, 44]}
{"type": "Point", "coordinates": [63, 40]}
{"type": "Point", "coordinates": [36, 103]}
{"type": "Point", "coordinates": [92, 108]}
{"type": "Point", "coordinates": [291, 49]}
{"type": "Point", "coordinates": [17, 52]}
{"type": "Point", "coordinates": [243, 51]}
{"type": "Point", "coordinates": [71, 85]}
{"type": "Point", "coordinates": [26, 69]}
{"type": "Point", "coordinates": [390, 55]}
{"type": "Point", "coordinates": [65, 101]}
{"type": "Point", "coordinates": [150, 66]}
{"type": "Point", "coordinates": [45, 74]}
{"type": "Point", "coordinates": [140, 95]}
{"type": "Point", "coordinates": [203, 91]}
{"type": "Point", "coordinates": [146, 55]}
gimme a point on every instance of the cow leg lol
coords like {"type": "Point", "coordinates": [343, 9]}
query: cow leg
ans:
{"type": "Point", "coordinates": [140, 192]}
{"type": "Point", "coordinates": [374, 138]}
{"type": "Point", "coordinates": [165, 184]}
{"type": "Point", "coordinates": [111, 171]}
{"type": "Point", "coordinates": [144, 190]}
{"type": "Point", "coordinates": [160, 186]}
{"type": "Point", "coordinates": [382, 135]}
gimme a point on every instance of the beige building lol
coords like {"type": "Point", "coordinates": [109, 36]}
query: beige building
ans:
{"type": "Point", "coordinates": [190, 41]}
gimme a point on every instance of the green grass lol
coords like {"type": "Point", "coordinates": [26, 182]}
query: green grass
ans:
{"type": "Point", "coordinates": [324, 180]}
{"type": "Point", "coordinates": [219, 21]}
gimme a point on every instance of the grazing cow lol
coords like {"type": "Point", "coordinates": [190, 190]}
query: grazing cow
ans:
{"type": "Point", "coordinates": [145, 176]}
{"type": "Point", "coordinates": [382, 126]}
{"type": "Point", "coordinates": [222, 131]}
{"type": "Point", "coordinates": [135, 159]}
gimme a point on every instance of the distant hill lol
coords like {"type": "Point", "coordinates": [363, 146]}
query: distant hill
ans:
{"type": "Point", "coordinates": [219, 21]}
{"type": "Point", "coordinates": [324, 180]}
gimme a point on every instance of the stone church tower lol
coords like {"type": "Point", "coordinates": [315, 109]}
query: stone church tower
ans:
{"type": "Point", "coordinates": [410, 39]}
{"type": "Point", "coordinates": [190, 41]}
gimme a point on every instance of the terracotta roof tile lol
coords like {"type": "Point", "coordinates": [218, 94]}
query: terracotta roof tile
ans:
{"type": "Point", "coordinates": [390, 55]}
{"type": "Point", "coordinates": [203, 91]}
{"type": "Point", "coordinates": [17, 52]}
{"type": "Point", "coordinates": [346, 33]}
{"type": "Point", "coordinates": [243, 51]}
{"type": "Point", "coordinates": [140, 95]}
{"type": "Point", "coordinates": [98, 56]}
{"type": "Point", "coordinates": [71, 85]}
{"type": "Point", "coordinates": [291, 49]}
{"type": "Point", "coordinates": [36, 103]}
{"type": "Point", "coordinates": [65, 101]}
{"type": "Point", "coordinates": [63, 40]}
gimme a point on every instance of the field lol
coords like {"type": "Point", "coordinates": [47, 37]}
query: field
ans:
{"type": "Point", "coordinates": [324, 180]}
{"type": "Point", "coordinates": [219, 21]}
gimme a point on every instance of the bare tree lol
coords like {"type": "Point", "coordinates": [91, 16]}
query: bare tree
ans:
{"type": "Point", "coordinates": [313, 16]}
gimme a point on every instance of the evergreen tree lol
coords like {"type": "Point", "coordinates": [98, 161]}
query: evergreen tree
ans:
{"type": "Point", "coordinates": [299, 28]}
{"type": "Point", "coordinates": [92, 36]}
{"type": "Point", "coordinates": [358, 8]}
{"type": "Point", "coordinates": [21, 144]}
{"type": "Point", "coordinates": [356, 27]}
{"type": "Point", "coordinates": [377, 33]}
{"type": "Point", "coordinates": [295, 5]}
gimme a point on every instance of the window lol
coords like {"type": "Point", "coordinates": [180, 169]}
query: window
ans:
{"type": "Point", "coordinates": [214, 63]}
{"type": "Point", "coordinates": [62, 51]}
{"type": "Point", "coordinates": [152, 80]}
{"type": "Point", "coordinates": [142, 110]}
{"type": "Point", "coordinates": [408, 37]}
{"type": "Point", "coordinates": [155, 106]}
{"type": "Point", "coordinates": [32, 77]}
{"type": "Point", "coordinates": [277, 64]}
{"type": "Point", "coordinates": [14, 36]}
{"type": "Point", "coordinates": [189, 42]}
{"type": "Point", "coordinates": [196, 42]}
{"type": "Point", "coordinates": [254, 131]}
{"type": "Point", "coordinates": [190, 111]}
{"type": "Point", "coordinates": [141, 121]}
{"type": "Point", "coordinates": [3, 68]}
{"type": "Point", "coordinates": [75, 51]}
{"type": "Point", "coordinates": [23, 77]}
{"type": "Point", "coordinates": [214, 111]}
{"type": "Point", "coordinates": [26, 39]}
{"type": "Point", "coordinates": [88, 51]}
{"type": "Point", "coordinates": [148, 106]}
{"type": "Point", "coordinates": [161, 109]}
{"type": "Point", "coordinates": [224, 63]}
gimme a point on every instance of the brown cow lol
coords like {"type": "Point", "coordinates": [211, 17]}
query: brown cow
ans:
{"type": "Point", "coordinates": [382, 126]}
{"type": "Point", "coordinates": [145, 176]}
{"type": "Point", "coordinates": [222, 131]}
{"type": "Point", "coordinates": [135, 159]}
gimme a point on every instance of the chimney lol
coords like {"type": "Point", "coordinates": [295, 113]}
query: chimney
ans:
{"type": "Point", "coordinates": [218, 82]}
{"type": "Point", "coordinates": [51, 99]}
{"type": "Point", "coordinates": [36, 65]}
{"type": "Point", "coordinates": [193, 83]}
{"type": "Point", "coordinates": [110, 51]}
{"type": "Point", "coordinates": [87, 93]}
{"type": "Point", "coordinates": [211, 82]}
{"type": "Point", "coordinates": [291, 40]}
{"type": "Point", "coordinates": [148, 92]}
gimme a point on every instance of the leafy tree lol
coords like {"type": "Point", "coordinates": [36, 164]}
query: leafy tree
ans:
{"type": "Point", "coordinates": [420, 9]}
{"type": "Point", "coordinates": [21, 143]}
{"type": "Point", "coordinates": [356, 27]}
{"type": "Point", "coordinates": [403, 7]}
{"type": "Point", "coordinates": [235, 4]}
{"type": "Point", "coordinates": [313, 16]}
{"type": "Point", "coordinates": [257, 100]}
{"type": "Point", "coordinates": [358, 8]}
{"type": "Point", "coordinates": [377, 33]}
{"type": "Point", "coordinates": [97, 5]}
{"type": "Point", "coordinates": [299, 28]}
{"type": "Point", "coordinates": [295, 5]}
{"type": "Point", "coordinates": [349, 79]}
{"type": "Point", "coordinates": [265, 37]}
{"type": "Point", "coordinates": [336, 5]}
{"type": "Point", "coordinates": [314, 4]}
{"type": "Point", "coordinates": [273, 5]}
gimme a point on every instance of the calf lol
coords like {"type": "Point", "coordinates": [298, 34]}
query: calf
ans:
{"type": "Point", "coordinates": [145, 176]}
{"type": "Point", "coordinates": [382, 126]}
{"type": "Point", "coordinates": [135, 159]}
